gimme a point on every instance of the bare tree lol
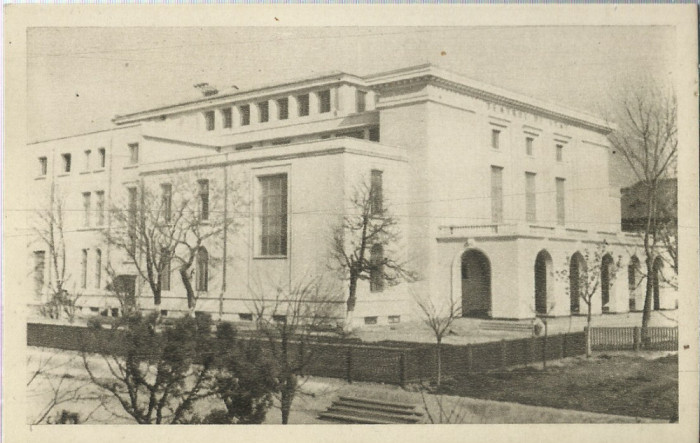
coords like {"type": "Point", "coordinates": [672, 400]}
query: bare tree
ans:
{"type": "Point", "coordinates": [288, 315]}
{"type": "Point", "coordinates": [544, 318]}
{"type": "Point", "coordinates": [647, 137]}
{"type": "Point", "coordinates": [439, 318]}
{"type": "Point", "coordinates": [364, 242]}
{"type": "Point", "coordinates": [163, 227]}
{"type": "Point", "coordinates": [590, 279]}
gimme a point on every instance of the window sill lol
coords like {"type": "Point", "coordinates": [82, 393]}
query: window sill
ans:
{"type": "Point", "coordinates": [40, 177]}
{"type": "Point", "coordinates": [131, 166]}
{"type": "Point", "coordinates": [64, 174]}
{"type": "Point", "coordinates": [84, 172]}
{"type": "Point", "coordinates": [89, 228]}
{"type": "Point", "coordinates": [99, 170]}
{"type": "Point", "coordinates": [270, 257]}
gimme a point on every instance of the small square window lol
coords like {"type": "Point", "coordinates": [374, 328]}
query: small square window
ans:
{"type": "Point", "coordinates": [370, 320]}
{"type": "Point", "coordinates": [303, 104]}
{"type": "Point", "coordinates": [495, 138]}
{"type": "Point", "coordinates": [164, 312]}
{"type": "Point", "coordinates": [374, 134]}
{"type": "Point", "coordinates": [279, 318]}
{"type": "Point", "coordinates": [283, 108]}
{"type": "Point", "coordinates": [245, 316]}
{"type": "Point", "coordinates": [66, 162]}
{"type": "Point", "coordinates": [227, 117]}
{"type": "Point", "coordinates": [102, 158]}
{"type": "Point", "coordinates": [245, 115]}
{"type": "Point", "coordinates": [210, 121]}
{"type": "Point", "coordinates": [394, 319]}
{"type": "Point", "coordinates": [115, 312]}
{"type": "Point", "coordinates": [528, 145]}
{"type": "Point", "coordinates": [264, 109]}
{"type": "Point", "coordinates": [133, 153]}
{"type": "Point", "coordinates": [324, 101]}
{"type": "Point", "coordinates": [560, 153]}
{"type": "Point", "coordinates": [43, 165]}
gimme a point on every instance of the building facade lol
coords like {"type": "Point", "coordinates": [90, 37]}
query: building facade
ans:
{"type": "Point", "coordinates": [498, 197]}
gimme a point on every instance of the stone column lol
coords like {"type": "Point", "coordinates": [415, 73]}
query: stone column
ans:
{"type": "Point", "coordinates": [313, 103]}
{"type": "Point", "coordinates": [254, 114]}
{"type": "Point", "coordinates": [273, 110]}
{"type": "Point", "coordinates": [293, 107]}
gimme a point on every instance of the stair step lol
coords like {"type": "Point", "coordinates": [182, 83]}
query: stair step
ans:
{"type": "Point", "coordinates": [375, 407]}
{"type": "Point", "coordinates": [376, 402]}
{"type": "Point", "coordinates": [345, 418]}
{"type": "Point", "coordinates": [505, 326]}
{"type": "Point", "coordinates": [363, 413]}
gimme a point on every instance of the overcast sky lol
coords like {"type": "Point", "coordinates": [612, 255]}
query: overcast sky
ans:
{"type": "Point", "coordinates": [79, 78]}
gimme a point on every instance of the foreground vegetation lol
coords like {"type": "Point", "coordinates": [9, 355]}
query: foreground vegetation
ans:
{"type": "Point", "coordinates": [628, 385]}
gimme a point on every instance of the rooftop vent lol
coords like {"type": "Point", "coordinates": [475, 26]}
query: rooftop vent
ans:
{"type": "Point", "coordinates": [206, 89]}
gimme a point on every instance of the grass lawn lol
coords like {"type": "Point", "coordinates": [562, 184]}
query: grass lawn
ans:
{"type": "Point", "coordinates": [621, 384]}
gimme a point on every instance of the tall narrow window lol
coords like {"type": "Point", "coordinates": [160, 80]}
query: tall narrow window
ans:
{"type": "Point", "coordinates": [374, 134]}
{"type": "Point", "coordinates": [528, 145]}
{"type": "Point", "coordinates": [204, 199]}
{"type": "Point", "coordinates": [283, 108]}
{"type": "Point", "coordinates": [87, 159]}
{"type": "Point", "coordinates": [495, 138]}
{"type": "Point", "coordinates": [561, 204]}
{"type": "Point", "coordinates": [66, 162]}
{"type": "Point", "coordinates": [133, 208]}
{"type": "Point", "coordinates": [264, 111]}
{"type": "Point", "coordinates": [560, 153]}
{"type": "Point", "coordinates": [165, 270]}
{"type": "Point", "coordinates": [273, 215]}
{"type": "Point", "coordinates": [376, 260]}
{"type": "Point", "coordinates": [166, 201]}
{"type": "Point", "coordinates": [202, 282]}
{"type": "Point", "coordinates": [98, 268]}
{"type": "Point", "coordinates": [244, 111]}
{"type": "Point", "coordinates": [361, 100]}
{"type": "Point", "coordinates": [133, 153]}
{"type": "Point", "coordinates": [303, 104]}
{"type": "Point", "coordinates": [324, 101]}
{"type": "Point", "coordinates": [43, 165]}
{"type": "Point", "coordinates": [102, 158]}
{"type": "Point", "coordinates": [100, 207]}
{"type": "Point", "coordinates": [376, 193]}
{"type": "Point", "coordinates": [83, 269]}
{"type": "Point", "coordinates": [496, 194]}
{"type": "Point", "coordinates": [86, 209]}
{"type": "Point", "coordinates": [210, 120]}
{"type": "Point", "coordinates": [530, 197]}
{"type": "Point", "coordinates": [227, 117]}
{"type": "Point", "coordinates": [39, 266]}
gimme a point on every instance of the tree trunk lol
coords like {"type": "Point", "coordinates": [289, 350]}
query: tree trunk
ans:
{"type": "Point", "coordinates": [648, 299]}
{"type": "Point", "coordinates": [188, 289]}
{"type": "Point", "coordinates": [352, 299]}
{"type": "Point", "coordinates": [588, 330]}
{"type": "Point", "coordinates": [439, 362]}
{"type": "Point", "coordinates": [289, 388]}
{"type": "Point", "coordinates": [544, 348]}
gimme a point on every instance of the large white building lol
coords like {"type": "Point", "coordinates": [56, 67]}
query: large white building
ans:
{"type": "Point", "coordinates": [495, 193]}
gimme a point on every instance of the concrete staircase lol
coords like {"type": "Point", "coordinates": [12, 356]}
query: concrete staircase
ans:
{"type": "Point", "coordinates": [367, 411]}
{"type": "Point", "coordinates": [507, 326]}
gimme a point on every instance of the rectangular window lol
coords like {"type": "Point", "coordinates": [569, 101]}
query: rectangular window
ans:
{"type": "Point", "coordinates": [394, 319]}
{"type": "Point", "coordinates": [281, 141]}
{"type": "Point", "coordinates": [66, 162]}
{"type": "Point", "coordinates": [374, 134]}
{"type": "Point", "coordinates": [227, 117]}
{"type": "Point", "coordinates": [495, 138]}
{"type": "Point", "coordinates": [86, 209]}
{"type": "Point", "coordinates": [303, 105]}
{"type": "Point", "coordinates": [165, 270]}
{"type": "Point", "coordinates": [324, 101]}
{"type": "Point", "coordinates": [100, 207]}
{"type": "Point", "coordinates": [245, 316]}
{"type": "Point", "coordinates": [560, 153]}
{"type": "Point", "coordinates": [133, 153]}
{"type": "Point", "coordinates": [210, 120]}
{"type": "Point", "coordinates": [361, 101]}
{"type": "Point", "coordinates": [283, 108]}
{"type": "Point", "coordinates": [102, 158]}
{"type": "Point", "coordinates": [371, 320]}
{"type": "Point", "coordinates": [528, 145]}
{"type": "Point", "coordinates": [376, 193]}
{"type": "Point", "coordinates": [133, 208]}
{"type": "Point", "coordinates": [98, 268]}
{"type": "Point", "coordinates": [496, 194]}
{"type": "Point", "coordinates": [43, 165]}
{"type": "Point", "coordinates": [87, 159]}
{"type": "Point", "coordinates": [530, 197]}
{"type": "Point", "coordinates": [561, 203]}
{"type": "Point", "coordinates": [264, 112]}
{"type": "Point", "coordinates": [245, 115]}
{"type": "Point", "coordinates": [273, 215]}
{"type": "Point", "coordinates": [83, 269]}
{"type": "Point", "coordinates": [39, 266]}
{"type": "Point", "coordinates": [166, 203]}
{"type": "Point", "coordinates": [204, 199]}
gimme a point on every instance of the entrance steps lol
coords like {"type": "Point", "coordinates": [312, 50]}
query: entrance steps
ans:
{"type": "Point", "coordinates": [507, 326]}
{"type": "Point", "coordinates": [358, 410]}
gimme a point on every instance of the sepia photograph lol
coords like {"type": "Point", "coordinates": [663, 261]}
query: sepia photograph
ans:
{"type": "Point", "coordinates": [268, 221]}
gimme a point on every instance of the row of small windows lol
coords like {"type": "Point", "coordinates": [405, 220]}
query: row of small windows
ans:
{"type": "Point", "coordinates": [67, 160]}
{"type": "Point", "coordinates": [530, 196]}
{"type": "Point", "coordinates": [529, 145]}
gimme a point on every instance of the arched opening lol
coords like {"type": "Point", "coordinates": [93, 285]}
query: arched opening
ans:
{"type": "Point", "coordinates": [657, 277]}
{"type": "Point", "coordinates": [633, 279]}
{"type": "Point", "coordinates": [605, 274]}
{"type": "Point", "coordinates": [577, 281]}
{"type": "Point", "coordinates": [543, 282]}
{"type": "Point", "coordinates": [476, 284]}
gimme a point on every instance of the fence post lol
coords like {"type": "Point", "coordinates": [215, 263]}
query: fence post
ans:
{"type": "Point", "coordinates": [402, 369]}
{"type": "Point", "coordinates": [348, 360]}
{"type": "Point", "coordinates": [637, 338]}
{"type": "Point", "coordinates": [503, 353]}
{"type": "Point", "coordinates": [470, 358]}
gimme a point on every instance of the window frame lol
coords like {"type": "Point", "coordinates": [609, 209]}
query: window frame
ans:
{"type": "Point", "coordinates": [86, 155]}
{"type": "Point", "coordinates": [530, 197]}
{"type": "Point", "coordinates": [102, 157]}
{"type": "Point", "coordinates": [303, 105]}
{"type": "Point", "coordinates": [83, 269]}
{"type": "Point", "coordinates": [273, 219]}
{"type": "Point", "coordinates": [202, 274]}
{"type": "Point", "coordinates": [133, 154]}
{"type": "Point", "coordinates": [210, 120]}
{"type": "Point", "coordinates": [98, 268]}
{"type": "Point", "coordinates": [100, 207]}
{"type": "Point", "coordinates": [495, 139]}
{"type": "Point", "coordinates": [263, 111]}
{"type": "Point", "coordinates": [67, 160]}
{"type": "Point", "coordinates": [43, 166]}
{"type": "Point", "coordinates": [324, 101]}
{"type": "Point", "coordinates": [227, 118]}
{"type": "Point", "coordinates": [244, 114]}
{"type": "Point", "coordinates": [530, 146]}
{"type": "Point", "coordinates": [283, 108]}
{"type": "Point", "coordinates": [360, 101]}
{"type": "Point", "coordinates": [376, 191]}
{"type": "Point", "coordinates": [203, 196]}
{"type": "Point", "coordinates": [497, 204]}
{"type": "Point", "coordinates": [166, 201]}
{"type": "Point", "coordinates": [560, 192]}
{"type": "Point", "coordinates": [87, 207]}
{"type": "Point", "coordinates": [376, 272]}
{"type": "Point", "coordinates": [559, 152]}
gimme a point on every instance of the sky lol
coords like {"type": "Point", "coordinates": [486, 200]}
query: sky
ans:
{"type": "Point", "coordinates": [78, 79]}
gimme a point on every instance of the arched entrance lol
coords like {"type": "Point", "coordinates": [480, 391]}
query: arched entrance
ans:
{"type": "Point", "coordinates": [476, 284]}
{"type": "Point", "coordinates": [605, 274]}
{"type": "Point", "coordinates": [543, 281]}
{"type": "Point", "coordinates": [633, 277]}
{"type": "Point", "coordinates": [577, 278]}
{"type": "Point", "coordinates": [658, 276]}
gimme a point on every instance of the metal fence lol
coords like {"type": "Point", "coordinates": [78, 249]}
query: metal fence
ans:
{"type": "Point", "coordinates": [634, 338]}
